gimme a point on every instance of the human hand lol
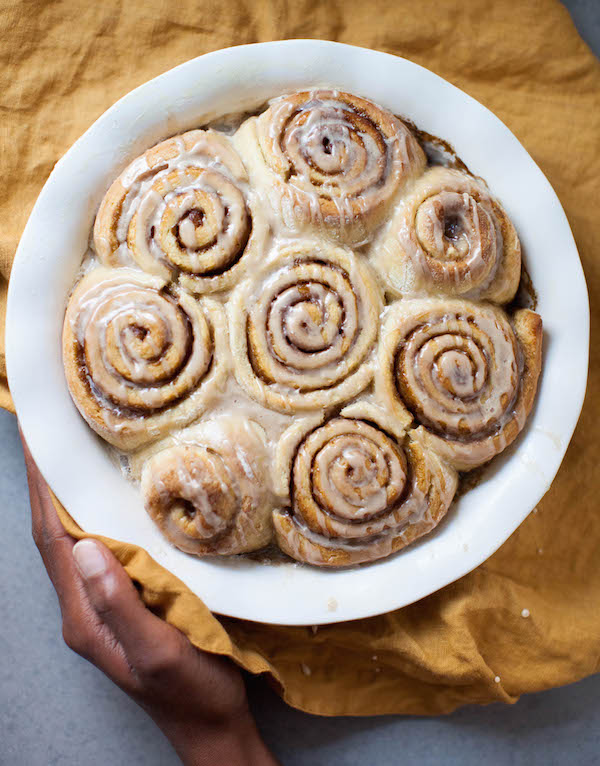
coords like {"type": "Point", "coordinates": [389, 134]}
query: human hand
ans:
{"type": "Point", "coordinates": [197, 699]}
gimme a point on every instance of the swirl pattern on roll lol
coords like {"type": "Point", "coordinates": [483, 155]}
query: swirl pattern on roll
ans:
{"type": "Point", "coordinates": [183, 210]}
{"type": "Point", "coordinates": [358, 493]}
{"type": "Point", "coordinates": [462, 372]}
{"type": "Point", "coordinates": [207, 489]}
{"type": "Point", "coordinates": [140, 358]}
{"type": "Point", "coordinates": [449, 236]}
{"type": "Point", "coordinates": [304, 330]}
{"type": "Point", "coordinates": [330, 159]}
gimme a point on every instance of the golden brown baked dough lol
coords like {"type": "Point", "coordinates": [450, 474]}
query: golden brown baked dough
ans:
{"type": "Point", "coordinates": [303, 331]}
{"type": "Point", "coordinates": [183, 210]}
{"type": "Point", "coordinates": [329, 159]}
{"type": "Point", "coordinates": [462, 372]}
{"type": "Point", "coordinates": [450, 236]}
{"type": "Point", "coordinates": [208, 488]}
{"type": "Point", "coordinates": [358, 492]}
{"type": "Point", "coordinates": [140, 358]}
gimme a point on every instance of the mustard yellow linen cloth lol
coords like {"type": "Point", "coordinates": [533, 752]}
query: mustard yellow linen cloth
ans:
{"type": "Point", "coordinates": [63, 63]}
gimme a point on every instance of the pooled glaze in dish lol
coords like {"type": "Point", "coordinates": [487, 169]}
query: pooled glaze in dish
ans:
{"type": "Point", "coordinates": [339, 246]}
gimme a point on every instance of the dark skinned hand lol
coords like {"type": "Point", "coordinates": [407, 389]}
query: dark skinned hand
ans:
{"type": "Point", "coordinates": [197, 699]}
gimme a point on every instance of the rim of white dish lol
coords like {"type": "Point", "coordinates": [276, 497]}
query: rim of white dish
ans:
{"type": "Point", "coordinates": [76, 465]}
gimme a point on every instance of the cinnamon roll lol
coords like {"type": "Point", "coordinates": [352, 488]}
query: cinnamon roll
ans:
{"type": "Point", "coordinates": [461, 372]}
{"type": "Point", "coordinates": [329, 159]}
{"type": "Point", "coordinates": [358, 492]}
{"type": "Point", "coordinates": [140, 357]}
{"type": "Point", "coordinates": [304, 329]}
{"type": "Point", "coordinates": [183, 210]}
{"type": "Point", "coordinates": [208, 490]}
{"type": "Point", "coordinates": [450, 236]}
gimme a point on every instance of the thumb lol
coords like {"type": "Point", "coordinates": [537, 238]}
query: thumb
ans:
{"type": "Point", "coordinates": [117, 604]}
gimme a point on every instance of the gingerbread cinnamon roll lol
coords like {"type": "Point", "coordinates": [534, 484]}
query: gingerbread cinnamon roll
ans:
{"type": "Point", "coordinates": [358, 492]}
{"type": "Point", "coordinates": [451, 237]}
{"type": "Point", "coordinates": [329, 159]}
{"type": "Point", "coordinates": [461, 372]}
{"type": "Point", "coordinates": [304, 330]}
{"type": "Point", "coordinates": [183, 211]}
{"type": "Point", "coordinates": [140, 357]}
{"type": "Point", "coordinates": [208, 489]}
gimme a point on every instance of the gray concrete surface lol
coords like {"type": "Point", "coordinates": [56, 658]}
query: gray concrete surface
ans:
{"type": "Point", "coordinates": [57, 710]}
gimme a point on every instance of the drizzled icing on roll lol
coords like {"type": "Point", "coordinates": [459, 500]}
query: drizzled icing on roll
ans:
{"type": "Point", "coordinates": [357, 492]}
{"type": "Point", "coordinates": [303, 330]}
{"type": "Point", "coordinates": [183, 210]}
{"type": "Point", "coordinates": [462, 372]}
{"type": "Point", "coordinates": [139, 358]}
{"type": "Point", "coordinates": [330, 159]}
{"type": "Point", "coordinates": [450, 236]}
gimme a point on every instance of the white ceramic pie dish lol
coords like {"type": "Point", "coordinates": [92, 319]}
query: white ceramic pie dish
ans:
{"type": "Point", "coordinates": [72, 458]}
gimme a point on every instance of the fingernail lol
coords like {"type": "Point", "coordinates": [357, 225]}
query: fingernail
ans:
{"type": "Point", "coordinates": [90, 560]}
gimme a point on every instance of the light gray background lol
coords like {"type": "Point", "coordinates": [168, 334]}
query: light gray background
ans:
{"type": "Point", "coordinates": [55, 708]}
